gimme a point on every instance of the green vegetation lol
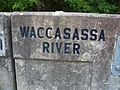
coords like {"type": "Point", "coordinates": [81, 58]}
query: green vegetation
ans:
{"type": "Point", "coordinates": [24, 5]}
{"type": "Point", "coordinates": [97, 6]}
{"type": "Point", "coordinates": [17, 5]}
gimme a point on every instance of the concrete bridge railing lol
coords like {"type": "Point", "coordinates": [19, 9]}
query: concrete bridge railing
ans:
{"type": "Point", "coordinates": [59, 51]}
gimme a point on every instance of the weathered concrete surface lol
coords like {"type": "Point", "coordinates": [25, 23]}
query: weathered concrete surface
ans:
{"type": "Point", "coordinates": [99, 53]}
{"type": "Point", "coordinates": [5, 33]}
{"type": "Point", "coordinates": [7, 81]}
{"type": "Point", "coordinates": [89, 48]}
{"type": "Point", "coordinates": [115, 80]}
{"type": "Point", "coordinates": [52, 75]}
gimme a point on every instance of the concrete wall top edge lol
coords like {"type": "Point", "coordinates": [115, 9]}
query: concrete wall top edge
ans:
{"type": "Point", "coordinates": [5, 13]}
{"type": "Point", "coordinates": [61, 13]}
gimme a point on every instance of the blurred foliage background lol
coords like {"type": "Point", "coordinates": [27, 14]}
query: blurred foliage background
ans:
{"type": "Point", "coordinates": [95, 6]}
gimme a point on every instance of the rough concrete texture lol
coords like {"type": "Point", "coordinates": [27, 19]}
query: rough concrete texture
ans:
{"type": "Point", "coordinates": [52, 75]}
{"type": "Point", "coordinates": [6, 63]}
{"type": "Point", "coordinates": [89, 48]}
{"type": "Point", "coordinates": [99, 53]}
{"type": "Point", "coordinates": [115, 80]}
{"type": "Point", "coordinates": [6, 74]}
{"type": "Point", "coordinates": [5, 28]}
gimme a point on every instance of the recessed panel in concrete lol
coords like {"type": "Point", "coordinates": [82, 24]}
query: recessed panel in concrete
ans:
{"type": "Point", "coordinates": [52, 75]}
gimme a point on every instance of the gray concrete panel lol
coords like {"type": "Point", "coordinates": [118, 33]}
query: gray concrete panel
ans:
{"type": "Point", "coordinates": [52, 75]}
